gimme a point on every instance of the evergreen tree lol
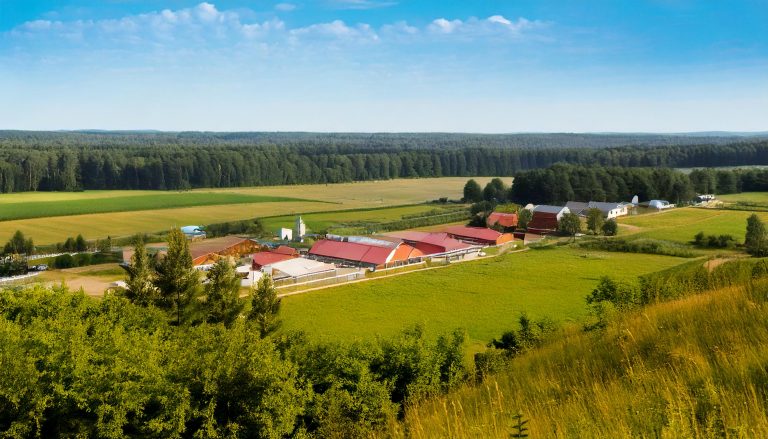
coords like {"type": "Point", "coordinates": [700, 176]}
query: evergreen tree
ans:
{"type": "Point", "coordinates": [755, 240]}
{"type": "Point", "coordinates": [570, 224]}
{"type": "Point", "coordinates": [177, 280]}
{"type": "Point", "coordinates": [222, 294]}
{"type": "Point", "coordinates": [140, 287]}
{"type": "Point", "coordinates": [265, 306]}
{"type": "Point", "coordinates": [595, 221]}
{"type": "Point", "coordinates": [472, 192]}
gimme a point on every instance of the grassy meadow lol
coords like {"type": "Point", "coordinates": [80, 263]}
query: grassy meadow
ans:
{"type": "Point", "coordinates": [345, 196]}
{"type": "Point", "coordinates": [485, 297]}
{"type": "Point", "coordinates": [690, 368]}
{"type": "Point", "coordinates": [680, 225]}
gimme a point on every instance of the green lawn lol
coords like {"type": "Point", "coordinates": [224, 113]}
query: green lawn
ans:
{"type": "Point", "coordinates": [681, 225]}
{"type": "Point", "coordinates": [485, 297]}
{"type": "Point", "coordinates": [127, 203]}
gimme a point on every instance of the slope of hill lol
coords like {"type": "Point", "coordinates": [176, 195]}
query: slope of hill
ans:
{"type": "Point", "coordinates": [696, 367]}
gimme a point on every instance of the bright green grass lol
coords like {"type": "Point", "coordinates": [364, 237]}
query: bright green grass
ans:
{"type": "Point", "coordinates": [749, 197]}
{"type": "Point", "coordinates": [680, 225]}
{"type": "Point", "coordinates": [319, 222]}
{"type": "Point", "coordinates": [126, 203]}
{"type": "Point", "coordinates": [485, 297]}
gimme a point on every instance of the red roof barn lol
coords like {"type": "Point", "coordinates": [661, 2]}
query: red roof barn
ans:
{"type": "Point", "coordinates": [479, 235]}
{"type": "Point", "coordinates": [505, 220]}
{"type": "Point", "coordinates": [365, 252]}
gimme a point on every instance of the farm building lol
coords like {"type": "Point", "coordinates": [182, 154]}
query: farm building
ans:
{"type": "Point", "coordinates": [193, 232]}
{"type": "Point", "coordinates": [365, 252]}
{"type": "Point", "coordinates": [299, 270]}
{"type": "Point", "coordinates": [660, 204]}
{"type": "Point", "coordinates": [546, 219]}
{"type": "Point", "coordinates": [610, 210]}
{"type": "Point", "coordinates": [285, 234]}
{"type": "Point", "coordinates": [578, 207]}
{"type": "Point", "coordinates": [506, 220]}
{"type": "Point", "coordinates": [264, 259]}
{"type": "Point", "coordinates": [478, 235]}
{"type": "Point", "coordinates": [207, 252]}
{"type": "Point", "coordinates": [435, 244]}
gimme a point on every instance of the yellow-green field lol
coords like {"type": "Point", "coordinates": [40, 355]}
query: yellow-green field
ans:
{"type": "Point", "coordinates": [682, 224]}
{"type": "Point", "coordinates": [344, 196]}
{"type": "Point", "coordinates": [484, 297]}
{"type": "Point", "coordinates": [750, 197]}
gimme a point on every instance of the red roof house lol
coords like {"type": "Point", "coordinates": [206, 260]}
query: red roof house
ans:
{"type": "Point", "coordinates": [478, 235]}
{"type": "Point", "coordinates": [505, 220]}
{"type": "Point", "coordinates": [285, 250]}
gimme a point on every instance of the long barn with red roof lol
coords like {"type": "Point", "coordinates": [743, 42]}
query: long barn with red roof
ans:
{"type": "Point", "coordinates": [365, 252]}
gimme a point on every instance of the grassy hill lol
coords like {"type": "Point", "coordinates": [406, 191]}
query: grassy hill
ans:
{"type": "Point", "coordinates": [696, 367]}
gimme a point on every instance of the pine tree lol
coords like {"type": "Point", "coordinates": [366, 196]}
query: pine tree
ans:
{"type": "Point", "coordinates": [140, 288]}
{"type": "Point", "coordinates": [222, 303]}
{"type": "Point", "coordinates": [80, 244]}
{"type": "Point", "coordinates": [265, 306]}
{"type": "Point", "coordinates": [177, 280]}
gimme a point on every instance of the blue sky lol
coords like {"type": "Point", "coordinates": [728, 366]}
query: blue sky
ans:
{"type": "Point", "coordinates": [385, 65]}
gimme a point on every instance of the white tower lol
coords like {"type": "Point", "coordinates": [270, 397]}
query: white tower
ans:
{"type": "Point", "coordinates": [299, 230]}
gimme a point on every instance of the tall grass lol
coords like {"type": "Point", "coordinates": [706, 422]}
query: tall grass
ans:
{"type": "Point", "coordinates": [695, 367]}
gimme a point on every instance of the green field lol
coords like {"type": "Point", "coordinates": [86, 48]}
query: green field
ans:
{"type": "Point", "coordinates": [745, 197]}
{"type": "Point", "coordinates": [146, 201]}
{"type": "Point", "coordinates": [318, 222]}
{"type": "Point", "coordinates": [485, 297]}
{"type": "Point", "coordinates": [345, 196]}
{"type": "Point", "coordinates": [680, 225]}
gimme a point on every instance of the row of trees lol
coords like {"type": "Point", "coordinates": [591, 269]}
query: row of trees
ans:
{"type": "Point", "coordinates": [67, 162]}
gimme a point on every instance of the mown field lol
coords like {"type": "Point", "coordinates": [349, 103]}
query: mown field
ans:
{"type": "Point", "coordinates": [680, 225]}
{"type": "Point", "coordinates": [346, 196]}
{"type": "Point", "coordinates": [749, 197]}
{"type": "Point", "coordinates": [485, 297]}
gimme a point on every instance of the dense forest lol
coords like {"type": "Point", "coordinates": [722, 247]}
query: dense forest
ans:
{"type": "Point", "coordinates": [562, 183]}
{"type": "Point", "coordinates": [69, 161]}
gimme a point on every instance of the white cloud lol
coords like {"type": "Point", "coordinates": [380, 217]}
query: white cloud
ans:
{"type": "Point", "coordinates": [285, 7]}
{"type": "Point", "coordinates": [205, 25]}
{"type": "Point", "coordinates": [441, 25]}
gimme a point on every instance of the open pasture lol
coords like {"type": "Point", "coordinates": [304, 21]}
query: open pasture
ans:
{"type": "Point", "coordinates": [680, 225]}
{"type": "Point", "coordinates": [346, 196]}
{"type": "Point", "coordinates": [484, 297]}
{"type": "Point", "coordinates": [745, 197]}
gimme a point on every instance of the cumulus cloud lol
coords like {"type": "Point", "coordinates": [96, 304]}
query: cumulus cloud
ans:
{"type": "Point", "coordinates": [207, 26]}
{"type": "Point", "coordinates": [493, 25]}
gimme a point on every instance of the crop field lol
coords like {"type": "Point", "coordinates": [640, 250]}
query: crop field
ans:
{"type": "Point", "coordinates": [680, 225]}
{"type": "Point", "coordinates": [484, 297]}
{"type": "Point", "coordinates": [346, 196]}
{"type": "Point", "coordinates": [150, 201]}
{"type": "Point", "coordinates": [317, 222]}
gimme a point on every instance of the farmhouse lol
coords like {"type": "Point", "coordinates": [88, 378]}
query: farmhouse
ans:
{"type": "Point", "coordinates": [206, 253]}
{"type": "Point", "coordinates": [478, 235]}
{"type": "Point", "coordinates": [435, 244]}
{"type": "Point", "coordinates": [546, 219]}
{"type": "Point", "coordinates": [365, 252]}
{"type": "Point", "coordinates": [610, 210]}
{"type": "Point", "coordinates": [506, 220]}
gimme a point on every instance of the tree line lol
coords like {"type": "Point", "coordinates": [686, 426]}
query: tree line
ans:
{"type": "Point", "coordinates": [178, 161]}
{"type": "Point", "coordinates": [562, 182]}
